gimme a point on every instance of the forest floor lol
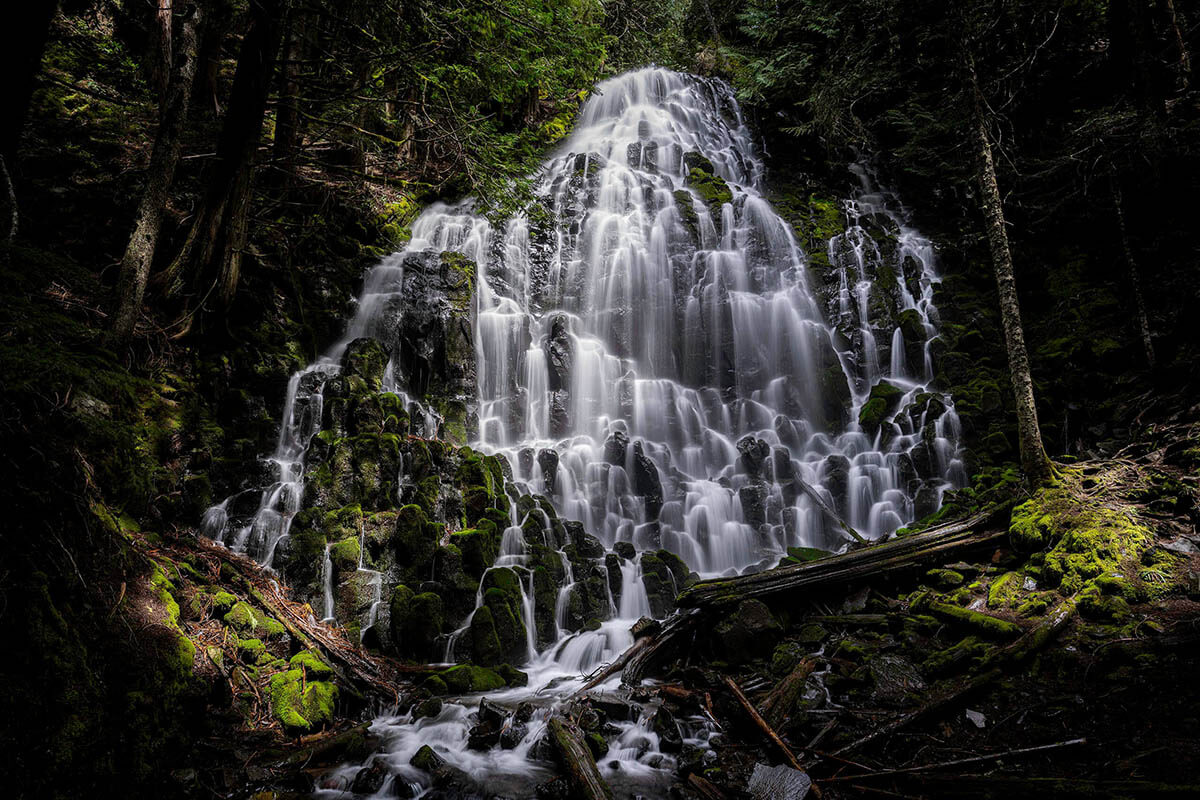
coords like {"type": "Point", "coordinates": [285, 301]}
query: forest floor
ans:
{"type": "Point", "coordinates": [1046, 653]}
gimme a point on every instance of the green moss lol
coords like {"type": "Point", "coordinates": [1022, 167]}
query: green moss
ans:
{"type": "Point", "coordinates": [471, 678]}
{"type": "Point", "coordinates": [805, 554]}
{"type": "Point", "coordinates": [1003, 590]}
{"type": "Point", "coordinates": [983, 624]}
{"type": "Point", "coordinates": [512, 676]}
{"type": "Point", "coordinates": [301, 705]}
{"type": "Point", "coordinates": [944, 578]}
{"type": "Point", "coordinates": [345, 554]}
{"type": "Point", "coordinates": [712, 189]}
{"type": "Point", "coordinates": [1094, 605]}
{"type": "Point", "coordinates": [312, 664]}
{"type": "Point", "coordinates": [245, 618]}
{"type": "Point", "coordinates": [435, 685]}
{"type": "Point", "coordinates": [881, 404]}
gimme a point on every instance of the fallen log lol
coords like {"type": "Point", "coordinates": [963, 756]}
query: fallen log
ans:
{"type": "Point", "coordinates": [766, 729]}
{"type": "Point", "coordinates": [868, 562]}
{"type": "Point", "coordinates": [824, 508]}
{"type": "Point", "coordinates": [657, 647]}
{"type": "Point", "coordinates": [616, 666]}
{"type": "Point", "coordinates": [778, 705]}
{"type": "Point", "coordinates": [576, 759]}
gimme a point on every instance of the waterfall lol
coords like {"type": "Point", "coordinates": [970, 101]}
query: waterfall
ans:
{"type": "Point", "coordinates": [656, 353]}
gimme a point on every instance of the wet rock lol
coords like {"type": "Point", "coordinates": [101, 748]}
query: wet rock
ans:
{"type": "Point", "coordinates": [625, 550]}
{"type": "Point", "coordinates": [646, 482]}
{"type": "Point", "coordinates": [670, 739]}
{"type": "Point", "coordinates": [492, 713]}
{"type": "Point", "coordinates": [548, 461]}
{"type": "Point", "coordinates": [752, 455]}
{"type": "Point", "coordinates": [560, 417]}
{"type": "Point", "coordinates": [513, 735]}
{"type": "Point", "coordinates": [837, 480]}
{"type": "Point", "coordinates": [754, 504]}
{"type": "Point", "coordinates": [427, 708]}
{"type": "Point", "coordinates": [749, 632]}
{"type": "Point", "coordinates": [559, 353]}
{"type": "Point", "coordinates": [615, 447]}
{"type": "Point", "coordinates": [612, 564]}
{"type": "Point", "coordinates": [524, 712]}
{"type": "Point", "coordinates": [367, 359]}
{"type": "Point", "coordinates": [778, 783]}
{"type": "Point", "coordinates": [369, 780]}
{"type": "Point", "coordinates": [484, 736]}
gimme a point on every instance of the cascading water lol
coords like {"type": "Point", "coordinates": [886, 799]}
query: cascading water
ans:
{"type": "Point", "coordinates": [656, 354]}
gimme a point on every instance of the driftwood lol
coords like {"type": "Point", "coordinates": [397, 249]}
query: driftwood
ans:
{"type": "Point", "coordinates": [766, 729]}
{"type": "Point", "coordinates": [778, 705]}
{"type": "Point", "coordinates": [577, 760]}
{"type": "Point", "coordinates": [1030, 642]}
{"type": "Point", "coordinates": [868, 562]}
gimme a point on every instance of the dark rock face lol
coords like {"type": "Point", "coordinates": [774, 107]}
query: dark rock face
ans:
{"type": "Point", "coordinates": [560, 354]}
{"type": "Point", "coordinates": [614, 448]}
{"type": "Point", "coordinates": [749, 632]}
{"type": "Point", "coordinates": [432, 339]}
{"type": "Point", "coordinates": [753, 454]}
{"type": "Point", "coordinates": [646, 482]}
{"type": "Point", "coordinates": [548, 461]}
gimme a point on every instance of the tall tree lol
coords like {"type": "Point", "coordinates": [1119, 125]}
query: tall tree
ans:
{"type": "Point", "coordinates": [209, 263]}
{"type": "Point", "coordinates": [1034, 461]}
{"type": "Point", "coordinates": [139, 252]}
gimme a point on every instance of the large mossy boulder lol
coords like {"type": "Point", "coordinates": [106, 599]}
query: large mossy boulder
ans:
{"type": "Point", "coordinates": [881, 404]}
{"type": "Point", "coordinates": [415, 541]}
{"type": "Point", "coordinates": [417, 622]}
{"type": "Point", "coordinates": [664, 575]}
{"type": "Point", "coordinates": [749, 632]}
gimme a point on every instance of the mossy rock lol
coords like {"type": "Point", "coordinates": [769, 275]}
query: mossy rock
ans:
{"type": "Point", "coordinates": [881, 404]}
{"type": "Point", "coordinates": [312, 664]}
{"type": "Point", "coordinates": [944, 579]}
{"type": "Point", "coordinates": [245, 618]}
{"type": "Point", "coordinates": [223, 602]}
{"type": "Point", "coordinates": [301, 705]}
{"type": "Point", "coordinates": [417, 620]}
{"type": "Point", "coordinates": [472, 678]}
{"type": "Point", "coordinates": [345, 554]}
{"type": "Point", "coordinates": [415, 542]}
{"type": "Point", "coordinates": [479, 549]}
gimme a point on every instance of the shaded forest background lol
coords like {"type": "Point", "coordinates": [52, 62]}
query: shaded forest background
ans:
{"type": "Point", "coordinates": [308, 136]}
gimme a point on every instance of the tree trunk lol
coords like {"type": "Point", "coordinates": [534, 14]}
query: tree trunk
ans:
{"type": "Point", "coordinates": [1135, 281]}
{"type": "Point", "coordinates": [205, 93]}
{"type": "Point", "coordinates": [210, 260]}
{"type": "Point", "coordinates": [160, 52]}
{"type": "Point", "coordinates": [287, 117]}
{"type": "Point", "coordinates": [1034, 461]}
{"type": "Point", "coordinates": [139, 253]}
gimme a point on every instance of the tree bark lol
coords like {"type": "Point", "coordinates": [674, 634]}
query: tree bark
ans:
{"type": "Point", "coordinates": [1034, 461]}
{"type": "Point", "coordinates": [1135, 281]}
{"type": "Point", "coordinates": [210, 260]}
{"type": "Point", "coordinates": [287, 117]}
{"type": "Point", "coordinates": [164, 158]}
{"type": "Point", "coordinates": [577, 760]}
{"type": "Point", "coordinates": [161, 58]}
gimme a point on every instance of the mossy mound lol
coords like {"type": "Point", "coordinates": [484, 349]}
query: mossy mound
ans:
{"type": "Point", "coordinates": [301, 705]}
